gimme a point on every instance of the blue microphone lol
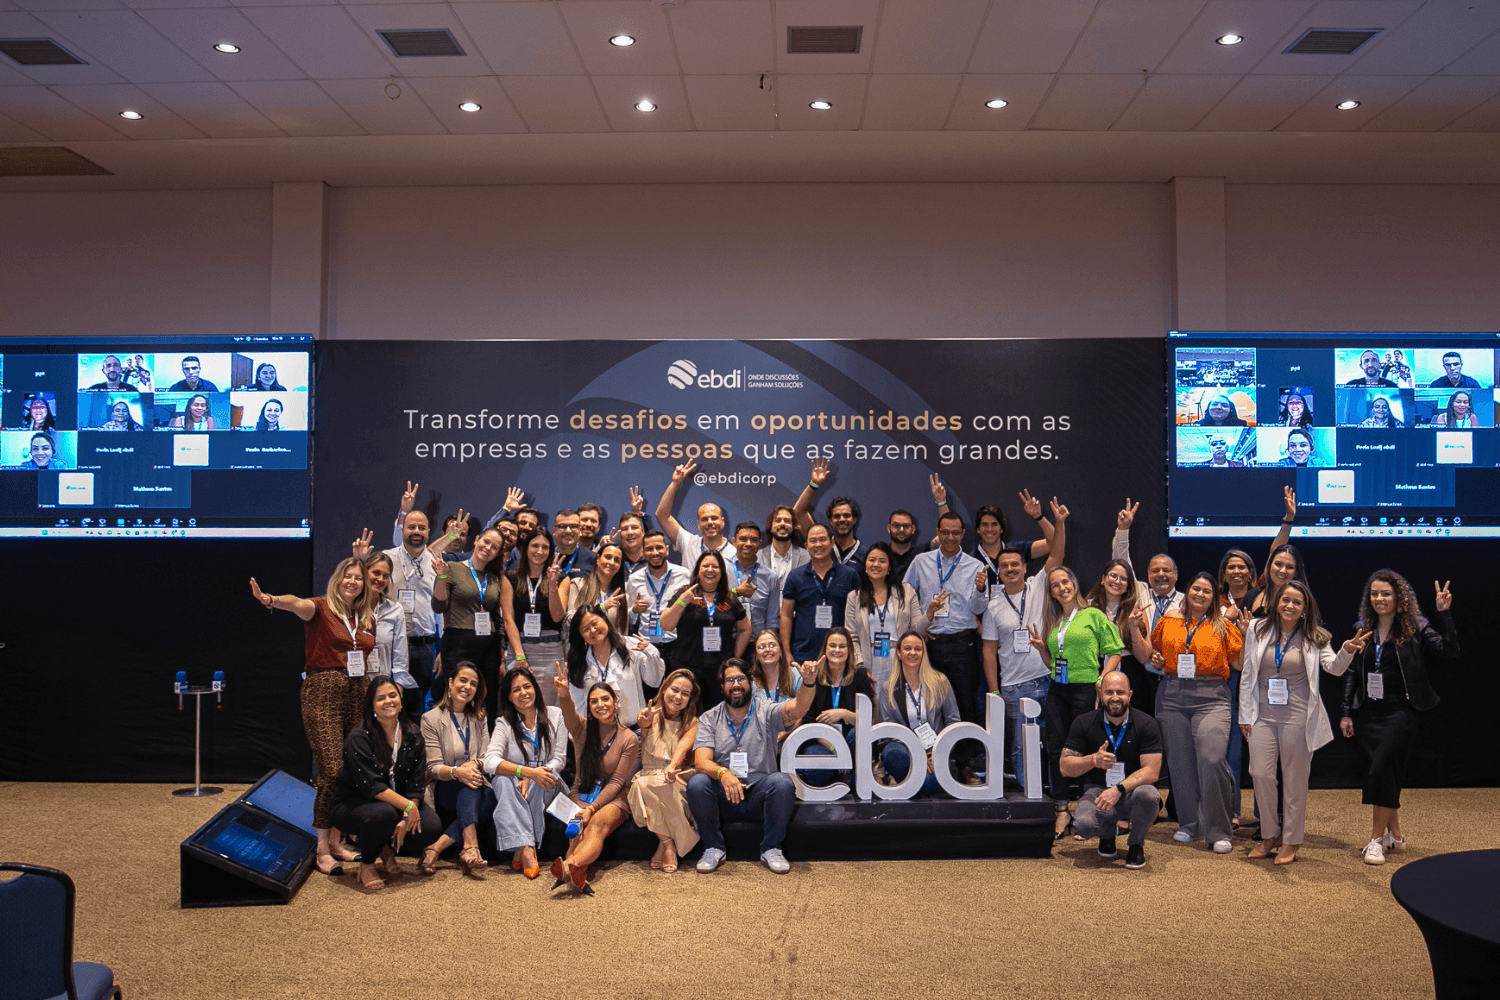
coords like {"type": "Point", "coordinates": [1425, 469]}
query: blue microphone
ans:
{"type": "Point", "coordinates": [219, 687]}
{"type": "Point", "coordinates": [573, 828]}
{"type": "Point", "coordinates": [179, 687]}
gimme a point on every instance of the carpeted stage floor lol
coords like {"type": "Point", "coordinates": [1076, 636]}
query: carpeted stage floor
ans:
{"type": "Point", "coordinates": [1191, 924]}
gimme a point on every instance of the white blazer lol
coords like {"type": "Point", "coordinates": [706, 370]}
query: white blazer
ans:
{"type": "Point", "coordinates": [1257, 641]}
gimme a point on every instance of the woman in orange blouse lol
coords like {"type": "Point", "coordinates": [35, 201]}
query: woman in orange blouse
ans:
{"type": "Point", "coordinates": [1195, 647]}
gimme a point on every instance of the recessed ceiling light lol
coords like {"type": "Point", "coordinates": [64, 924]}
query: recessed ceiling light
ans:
{"type": "Point", "coordinates": [134, 116]}
{"type": "Point", "coordinates": [996, 103]}
{"type": "Point", "coordinates": [228, 48]}
{"type": "Point", "coordinates": [469, 106]}
{"type": "Point", "coordinates": [821, 106]}
{"type": "Point", "coordinates": [1230, 39]}
{"type": "Point", "coordinates": [1347, 105]}
{"type": "Point", "coordinates": [645, 106]}
{"type": "Point", "coordinates": [623, 41]}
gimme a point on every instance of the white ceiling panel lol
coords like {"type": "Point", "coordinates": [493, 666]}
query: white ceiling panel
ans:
{"type": "Point", "coordinates": [1383, 14]}
{"type": "Point", "coordinates": [1173, 103]}
{"type": "Point", "coordinates": [444, 94]}
{"type": "Point", "coordinates": [1438, 101]}
{"type": "Point", "coordinates": [1128, 36]}
{"type": "Point", "coordinates": [43, 111]}
{"type": "Point", "coordinates": [1023, 93]}
{"type": "Point", "coordinates": [825, 13]}
{"type": "Point", "coordinates": [731, 103]}
{"type": "Point", "coordinates": [13, 77]}
{"type": "Point", "coordinates": [619, 94]}
{"type": "Point", "coordinates": [725, 36]}
{"type": "Point", "coordinates": [592, 25]}
{"type": "Point", "coordinates": [1261, 23]}
{"type": "Point", "coordinates": [1024, 36]}
{"type": "Point", "coordinates": [407, 17]}
{"type": "Point", "coordinates": [1485, 118]}
{"type": "Point", "coordinates": [15, 24]}
{"type": "Point", "coordinates": [1481, 59]}
{"type": "Point", "coordinates": [107, 101]}
{"type": "Point", "coordinates": [1433, 37]}
{"type": "Point", "coordinates": [1083, 103]}
{"type": "Point", "coordinates": [61, 5]}
{"type": "Point", "coordinates": [928, 36]}
{"type": "Point", "coordinates": [201, 30]}
{"type": "Point", "coordinates": [129, 46]}
{"type": "Point", "coordinates": [285, 3]}
{"type": "Point", "coordinates": [367, 103]}
{"type": "Point", "coordinates": [520, 39]}
{"type": "Point", "coordinates": [13, 131]}
{"type": "Point", "coordinates": [1260, 103]}
{"type": "Point", "coordinates": [1374, 94]}
{"type": "Point", "coordinates": [796, 92]}
{"type": "Point", "coordinates": [909, 101]}
{"type": "Point", "coordinates": [297, 107]}
{"type": "Point", "coordinates": [213, 109]}
{"type": "Point", "coordinates": [324, 42]}
{"type": "Point", "coordinates": [556, 103]}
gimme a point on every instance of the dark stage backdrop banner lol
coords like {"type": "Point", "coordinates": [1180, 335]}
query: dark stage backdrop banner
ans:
{"type": "Point", "coordinates": [576, 421]}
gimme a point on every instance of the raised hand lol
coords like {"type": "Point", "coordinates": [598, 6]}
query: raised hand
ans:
{"type": "Point", "coordinates": [409, 498]}
{"type": "Point", "coordinates": [438, 563]}
{"type": "Point", "coordinates": [820, 469]}
{"type": "Point", "coordinates": [982, 579]}
{"type": "Point", "coordinates": [264, 599]}
{"type": "Point", "coordinates": [1030, 504]}
{"type": "Point", "coordinates": [1444, 598]}
{"type": "Point", "coordinates": [515, 498]}
{"type": "Point", "coordinates": [554, 572]}
{"type": "Point", "coordinates": [683, 471]}
{"type": "Point", "coordinates": [1289, 498]}
{"type": "Point", "coordinates": [1059, 512]}
{"type": "Point", "coordinates": [462, 517]}
{"type": "Point", "coordinates": [642, 604]}
{"type": "Point", "coordinates": [1038, 643]}
{"type": "Point", "coordinates": [560, 680]}
{"type": "Point", "coordinates": [361, 546]}
{"type": "Point", "coordinates": [1126, 517]}
{"type": "Point", "coordinates": [745, 589]}
{"type": "Point", "coordinates": [637, 500]}
{"type": "Point", "coordinates": [939, 491]}
{"type": "Point", "coordinates": [1158, 661]}
{"type": "Point", "coordinates": [1142, 622]}
{"type": "Point", "coordinates": [1357, 644]}
{"type": "Point", "coordinates": [614, 600]}
{"type": "Point", "coordinates": [809, 670]}
{"type": "Point", "coordinates": [646, 717]}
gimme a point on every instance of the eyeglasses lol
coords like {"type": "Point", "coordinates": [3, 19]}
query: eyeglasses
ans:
{"type": "Point", "coordinates": [735, 681]}
{"type": "Point", "coordinates": [1116, 577]}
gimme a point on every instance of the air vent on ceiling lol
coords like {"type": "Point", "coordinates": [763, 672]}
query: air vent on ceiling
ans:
{"type": "Point", "coordinates": [435, 42]}
{"type": "Point", "coordinates": [835, 38]}
{"type": "Point", "coordinates": [47, 161]}
{"type": "Point", "coordinates": [1331, 41]}
{"type": "Point", "coordinates": [38, 52]}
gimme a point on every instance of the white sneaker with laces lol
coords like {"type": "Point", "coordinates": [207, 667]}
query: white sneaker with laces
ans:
{"type": "Point", "coordinates": [712, 858]}
{"type": "Point", "coordinates": [1374, 853]}
{"type": "Point", "coordinates": [1223, 846]}
{"type": "Point", "coordinates": [776, 861]}
{"type": "Point", "coordinates": [1182, 837]}
{"type": "Point", "coordinates": [1392, 845]}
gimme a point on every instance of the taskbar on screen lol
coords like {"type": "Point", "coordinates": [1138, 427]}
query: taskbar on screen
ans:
{"type": "Point", "coordinates": [1336, 531]}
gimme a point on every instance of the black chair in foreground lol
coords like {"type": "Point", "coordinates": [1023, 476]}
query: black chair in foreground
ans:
{"type": "Point", "coordinates": [36, 940]}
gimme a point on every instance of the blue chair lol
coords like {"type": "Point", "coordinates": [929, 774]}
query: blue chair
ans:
{"type": "Point", "coordinates": [36, 940]}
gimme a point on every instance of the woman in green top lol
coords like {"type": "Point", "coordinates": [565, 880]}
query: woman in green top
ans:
{"type": "Point", "coordinates": [1074, 642]}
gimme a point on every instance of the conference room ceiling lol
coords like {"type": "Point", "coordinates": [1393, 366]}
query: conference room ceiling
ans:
{"type": "Point", "coordinates": [1095, 90]}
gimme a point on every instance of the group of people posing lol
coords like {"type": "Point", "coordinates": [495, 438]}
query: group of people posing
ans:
{"type": "Point", "coordinates": [586, 674]}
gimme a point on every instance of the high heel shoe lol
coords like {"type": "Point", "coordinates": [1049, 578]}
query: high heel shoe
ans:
{"type": "Point", "coordinates": [515, 862]}
{"type": "Point", "coordinates": [580, 879]}
{"type": "Point", "coordinates": [369, 879]}
{"type": "Point", "coordinates": [669, 862]}
{"type": "Point", "coordinates": [559, 873]}
{"type": "Point", "coordinates": [534, 869]}
{"type": "Point", "coordinates": [1059, 834]}
{"type": "Point", "coordinates": [428, 864]}
{"type": "Point", "coordinates": [471, 861]}
{"type": "Point", "coordinates": [390, 864]}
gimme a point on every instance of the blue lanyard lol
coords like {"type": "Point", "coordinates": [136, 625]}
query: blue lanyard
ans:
{"type": "Point", "coordinates": [739, 734]}
{"type": "Point", "coordinates": [823, 583]}
{"type": "Point", "coordinates": [1379, 646]}
{"type": "Point", "coordinates": [1021, 614]}
{"type": "Point", "coordinates": [464, 732]}
{"type": "Point", "coordinates": [709, 607]}
{"type": "Point", "coordinates": [1161, 604]}
{"type": "Point", "coordinates": [1187, 647]}
{"type": "Point", "coordinates": [837, 693]}
{"type": "Point", "coordinates": [943, 578]}
{"type": "Point", "coordinates": [534, 737]}
{"type": "Point", "coordinates": [880, 608]}
{"type": "Point", "coordinates": [569, 565]}
{"type": "Point", "coordinates": [915, 700]}
{"type": "Point", "coordinates": [657, 595]}
{"type": "Point", "coordinates": [479, 584]}
{"type": "Point", "coordinates": [604, 669]}
{"type": "Point", "coordinates": [1115, 741]}
{"type": "Point", "coordinates": [739, 576]}
{"type": "Point", "coordinates": [1281, 650]}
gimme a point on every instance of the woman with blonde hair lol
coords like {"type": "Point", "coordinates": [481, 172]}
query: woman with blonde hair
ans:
{"type": "Point", "coordinates": [771, 674]}
{"type": "Point", "coordinates": [919, 698]}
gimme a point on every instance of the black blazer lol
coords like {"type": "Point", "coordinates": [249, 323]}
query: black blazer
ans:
{"type": "Point", "coordinates": [362, 779]}
{"type": "Point", "coordinates": [1428, 642]}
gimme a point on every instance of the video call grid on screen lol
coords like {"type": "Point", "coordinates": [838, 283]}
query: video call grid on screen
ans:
{"type": "Point", "coordinates": [155, 436]}
{"type": "Point", "coordinates": [1380, 434]}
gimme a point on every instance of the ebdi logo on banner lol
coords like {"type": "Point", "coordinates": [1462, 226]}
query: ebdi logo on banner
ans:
{"type": "Point", "coordinates": [684, 373]}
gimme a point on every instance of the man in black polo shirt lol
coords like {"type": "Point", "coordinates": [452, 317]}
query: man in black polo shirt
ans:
{"type": "Point", "coordinates": [1119, 778]}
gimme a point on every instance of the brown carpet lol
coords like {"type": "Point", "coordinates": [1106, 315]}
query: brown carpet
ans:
{"type": "Point", "coordinates": [1191, 924]}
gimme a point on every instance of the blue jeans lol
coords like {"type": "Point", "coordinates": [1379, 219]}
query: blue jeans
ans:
{"type": "Point", "coordinates": [1037, 690]}
{"type": "Point", "coordinates": [770, 800]}
{"type": "Point", "coordinates": [822, 779]}
{"type": "Point", "coordinates": [897, 762]}
{"type": "Point", "coordinates": [468, 803]}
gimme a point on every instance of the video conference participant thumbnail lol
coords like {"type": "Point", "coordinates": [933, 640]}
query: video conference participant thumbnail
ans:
{"type": "Point", "coordinates": [130, 372]}
{"type": "Point", "coordinates": [1300, 447]}
{"type": "Point", "coordinates": [1374, 408]}
{"type": "Point", "coordinates": [275, 371]}
{"type": "Point", "coordinates": [37, 412]}
{"type": "Point", "coordinates": [191, 411]}
{"type": "Point", "coordinates": [1368, 367]}
{"type": "Point", "coordinates": [1213, 448]}
{"type": "Point", "coordinates": [112, 411]}
{"type": "Point", "coordinates": [200, 372]}
{"type": "Point", "coordinates": [1234, 407]}
{"type": "Point", "coordinates": [255, 411]}
{"type": "Point", "coordinates": [1456, 369]}
{"type": "Point", "coordinates": [39, 450]}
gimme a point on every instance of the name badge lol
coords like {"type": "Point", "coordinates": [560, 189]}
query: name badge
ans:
{"type": "Point", "coordinates": [1375, 686]}
{"type": "Point", "coordinates": [408, 599]}
{"type": "Point", "coordinates": [1276, 691]}
{"type": "Point", "coordinates": [925, 734]}
{"type": "Point", "coordinates": [824, 616]}
{"type": "Point", "coordinates": [482, 623]}
{"type": "Point", "coordinates": [713, 640]}
{"type": "Point", "coordinates": [942, 613]}
{"type": "Point", "coordinates": [1020, 640]}
{"type": "Point", "coordinates": [739, 763]}
{"type": "Point", "coordinates": [1187, 666]}
{"type": "Point", "coordinates": [653, 625]}
{"type": "Point", "coordinates": [354, 663]}
{"type": "Point", "coordinates": [1061, 666]}
{"type": "Point", "coordinates": [531, 627]}
{"type": "Point", "coordinates": [881, 641]}
{"type": "Point", "coordinates": [1115, 774]}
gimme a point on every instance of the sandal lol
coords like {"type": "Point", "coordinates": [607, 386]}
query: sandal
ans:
{"type": "Point", "coordinates": [390, 864]}
{"type": "Point", "coordinates": [669, 865]}
{"type": "Point", "coordinates": [661, 850]}
{"type": "Point", "coordinates": [428, 864]}
{"type": "Point", "coordinates": [329, 865]}
{"type": "Point", "coordinates": [369, 879]}
{"type": "Point", "coordinates": [470, 860]}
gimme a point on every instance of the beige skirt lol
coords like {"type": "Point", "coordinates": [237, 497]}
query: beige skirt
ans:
{"type": "Point", "coordinates": [662, 808]}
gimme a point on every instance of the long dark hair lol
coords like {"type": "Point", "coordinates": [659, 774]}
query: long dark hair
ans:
{"type": "Point", "coordinates": [377, 731]}
{"type": "Point", "coordinates": [578, 648]}
{"type": "Point", "coordinates": [261, 423]}
{"type": "Point", "coordinates": [1310, 623]}
{"type": "Point", "coordinates": [522, 573]}
{"type": "Point", "coordinates": [724, 599]}
{"type": "Point", "coordinates": [592, 752]}
{"type": "Point", "coordinates": [689, 711]}
{"type": "Point", "coordinates": [1299, 574]}
{"type": "Point", "coordinates": [796, 536]}
{"type": "Point", "coordinates": [512, 715]}
{"type": "Point", "coordinates": [1409, 618]}
{"type": "Point", "coordinates": [1305, 420]}
{"type": "Point", "coordinates": [893, 588]}
{"type": "Point", "coordinates": [1099, 597]}
{"type": "Point", "coordinates": [49, 424]}
{"type": "Point", "coordinates": [187, 411]}
{"type": "Point", "coordinates": [475, 707]}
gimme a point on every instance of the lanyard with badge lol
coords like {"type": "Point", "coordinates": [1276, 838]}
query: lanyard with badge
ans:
{"type": "Point", "coordinates": [533, 737]}
{"type": "Point", "coordinates": [354, 659]}
{"type": "Point", "coordinates": [1374, 679]}
{"type": "Point", "coordinates": [943, 579]}
{"type": "Point", "coordinates": [568, 566]}
{"type": "Point", "coordinates": [1187, 663]}
{"type": "Point", "coordinates": [739, 760]}
{"type": "Point", "coordinates": [463, 731]}
{"type": "Point", "coordinates": [713, 639]}
{"type": "Point", "coordinates": [481, 616]}
{"type": "Point", "coordinates": [531, 626]}
{"type": "Point", "coordinates": [408, 596]}
{"type": "Point", "coordinates": [880, 639]}
{"type": "Point", "coordinates": [1020, 636]}
{"type": "Point", "coordinates": [598, 784]}
{"type": "Point", "coordinates": [1061, 663]}
{"type": "Point", "coordinates": [922, 729]}
{"type": "Point", "coordinates": [1116, 772]}
{"type": "Point", "coordinates": [1276, 689]}
{"type": "Point", "coordinates": [653, 617]}
{"type": "Point", "coordinates": [823, 617]}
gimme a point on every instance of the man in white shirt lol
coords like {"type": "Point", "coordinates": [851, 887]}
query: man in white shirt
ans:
{"type": "Point", "coordinates": [690, 546]}
{"type": "Point", "coordinates": [649, 591]}
{"type": "Point", "coordinates": [784, 552]}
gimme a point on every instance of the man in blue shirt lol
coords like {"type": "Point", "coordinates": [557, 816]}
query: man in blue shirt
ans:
{"type": "Point", "coordinates": [813, 600]}
{"type": "Point", "coordinates": [953, 586]}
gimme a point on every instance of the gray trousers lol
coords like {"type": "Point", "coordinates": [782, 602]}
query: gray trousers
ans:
{"type": "Point", "coordinates": [1194, 720]}
{"type": "Point", "coordinates": [1288, 742]}
{"type": "Point", "coordinates": [1140, 807]}
{"type": "Point", "coordinates": [519, 822]}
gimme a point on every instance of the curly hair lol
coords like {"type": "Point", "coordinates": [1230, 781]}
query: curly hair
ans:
{"type": "Point", "coordinates": [1409, 618]}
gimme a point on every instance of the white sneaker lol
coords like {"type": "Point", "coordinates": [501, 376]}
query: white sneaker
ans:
{"type": "Point", "coordinates": [1223, 846]}
{"type": "Point", "coordinates": [1392, 845]}
{"type": "Point", "coordinates": [776, 861]}
{"type": "Point", "coordinates": [1374, 853]}
{"type": "Point", "coordinates": [712, 858]}
{"type": "Point", "coordinates": [1183, 837]}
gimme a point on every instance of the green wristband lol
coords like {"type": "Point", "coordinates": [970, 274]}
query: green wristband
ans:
{"type": "Point", "coordinates": [812, 485]}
